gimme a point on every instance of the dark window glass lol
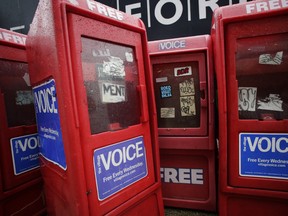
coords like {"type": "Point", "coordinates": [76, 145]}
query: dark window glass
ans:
{"type": "Point", "coordinates": [262, 75]}
{"type": "Point", "coordinates": [177, 94]}
{"type": "Point", "coordinates": [16, 89]}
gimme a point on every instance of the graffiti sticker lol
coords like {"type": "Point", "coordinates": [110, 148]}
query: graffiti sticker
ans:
{"type": "Point", "coordinates": [187, 98]}
{"type": "Point", "coordinates": [113, 68]}
{"type": "Point", "coordinates": [273, 102]}
{"type": "Point", "coordinates": [247, 98]}
{"type": "Point", "coordinates": [187, 87]}
{"type": "Point", "coordinates": [187, 105]}
{"type": "Point", "coordinates": [269, 59]}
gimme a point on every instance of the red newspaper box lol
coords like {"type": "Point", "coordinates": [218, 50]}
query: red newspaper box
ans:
{"type": "Point", "coordinates": [183, 83]}
{"type": "Point", "coordinates": [95, 111]}
{"type": "Point", "coordinates": [21, 186]}
{"type": "Point", "coordinates": [251, 55]}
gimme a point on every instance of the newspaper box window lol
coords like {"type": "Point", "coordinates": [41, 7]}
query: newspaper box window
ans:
{"type": "Point", "coordinates": [177, 94]}
{"type": "Point", "coordinates": [261, 72]}
{"type": "Point", "coordinates": [19, 107]}
{"type": "Point", "coordinates": [111, 78]}
{"type": "Point", "coordinates": [15, 85]}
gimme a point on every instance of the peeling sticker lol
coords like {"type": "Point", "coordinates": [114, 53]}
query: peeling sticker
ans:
{"type": "Point", "coordinates": [187, 105]}
{"type": "Point", "coordinates": [270, 59]}
{"type": "Point", "coordinates": [113, 68]}
{"type": "Point", "coordinates": [187, 87]}
{"type": "Point", "coordinates": [273, 103]}
{"type": "Point", "coordinates": [247, 98]}
{"type": "Point", "coordinates": [112, 93]}
{"type": "Point", "coordinates": [166, 91]}
{"type": "Point", "coordinates": [27, 79]}
{"type": "Point", "coordinates": [161, 79]}
{"type": "Point", "coordinates": [167, 112]}
{"type": "Point", "coordinates": [183, 71]}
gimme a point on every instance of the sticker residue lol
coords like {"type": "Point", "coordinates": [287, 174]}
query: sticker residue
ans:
{"type": "Point", "coordinates": [167, 112]}
{"type": "Point", "coordinates": [24, 97]}
{"type": "Point", "coordinates": [161, 79]}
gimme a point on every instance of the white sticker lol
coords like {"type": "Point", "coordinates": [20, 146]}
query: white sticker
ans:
{"type": "Point", "coordinates": [113, 93]}
{"type": "Point", "coordinates": [167, 112]}
{"type": "Point", "coordinates": [247, 98]}
{"type": "Point", "coordinates": [129, 57]}
{"type": "Point", "coordinates": [187, 105]}
{"type": "Point", "coordinates": [271, 59]}
{"type": "Point", "coordinates": [187, 87]}
{"type": "Point", "coordinates": [161, 79]}
{"type": "Point", "coordinates": [273, 102]}
{"type": "Point", "coordinates": [183, 71]}
{"type": "Point", "coordinates": [114, 67]}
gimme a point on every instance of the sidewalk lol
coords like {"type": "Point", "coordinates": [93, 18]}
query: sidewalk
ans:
{"type": "Point", "coordinates": [186, 212]}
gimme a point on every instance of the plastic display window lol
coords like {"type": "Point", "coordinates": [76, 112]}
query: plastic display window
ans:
{"type": "Point", "coordinates": [110, 76]}
{"type": "Point", "coordinates": [177, 94]}
{"type": "Point", "coordinates": [16, 90]}
{"type": "Point", "coordinates": [262, 77]}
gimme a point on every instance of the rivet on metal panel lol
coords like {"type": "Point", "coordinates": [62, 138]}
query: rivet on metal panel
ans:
{"type": "Point", "coordinates": [88, 192]}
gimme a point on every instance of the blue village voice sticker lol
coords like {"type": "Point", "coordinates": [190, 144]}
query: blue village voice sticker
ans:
{"type": "Point", "coordinates": [25, 153]}
{"type": "Point", "coordinates": [166, 91]}
{"type": "Point", "coordinates": [263, 155]}
{"type": "Point", "coordinates": [119, 165]}
{"type": "Point", "coordinates": [48, 122]}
